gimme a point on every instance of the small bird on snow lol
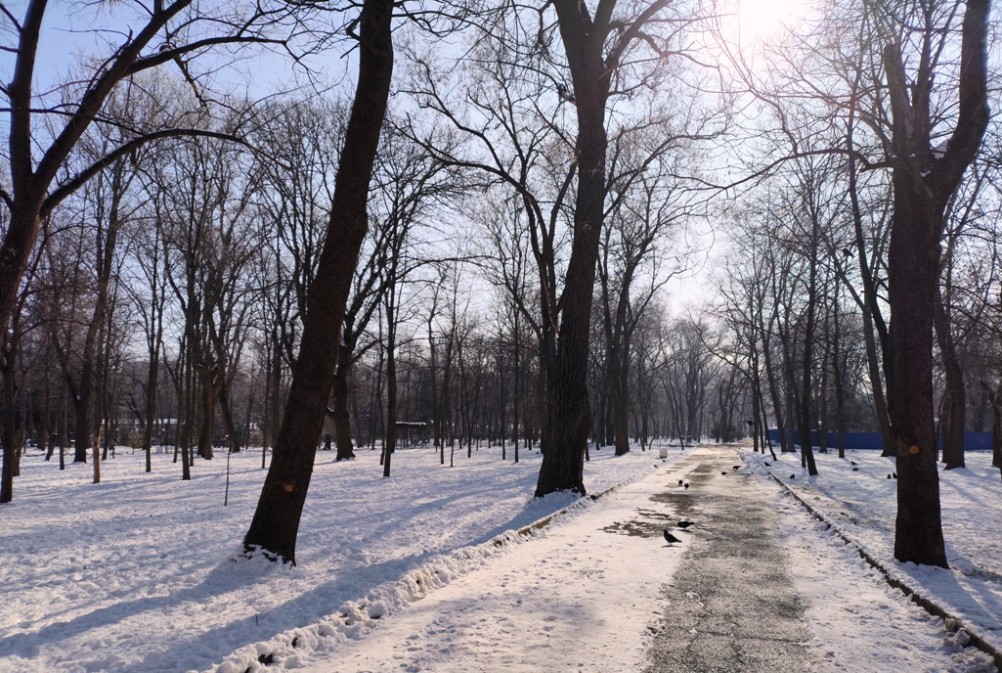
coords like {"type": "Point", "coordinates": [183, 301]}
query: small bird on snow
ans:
{"type": "Point", "coordinates": [724, 473]}
{"type": "Point", "coordinates": [853, 462]}
{"type": "Point", "coordinates": [680, 482]}
{"type": "Point", "coordinates": [767, 464]}
{"type": "Point", "coordinates": [736, 467]}
{"type": "Point", "coordinates": [684, 524]}
{"type": "Point", "coordinates": [669, 538]}
{"type": "Point", "coordinates": [793, 476]}
{"type": "Point", "coordinates": [686, 484]}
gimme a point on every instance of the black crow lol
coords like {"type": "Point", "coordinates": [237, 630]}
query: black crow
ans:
{"type": "Point", "coordinates": [793, 476]}
{"type": "Point", "coordinates": [687, 484]}
{"type": "Point", "coordinates": [669, 538]}
{"type": "Point", "coordinates": [853, 462]}
{"type": "Point", "coordinates": [684, 524]}
{"type": "Point", "coordinates": [895, 475]}
{"type": "Point", "coordinates": [855, 469]}
{"type": "Point", "coordinates": [767, 464]}
{"type": "Point", "coordinates": [680, 482]}
{"type": "Point", "coordinates": [888, 476]}
{"type": "Point", "coordinates": [724, 473]}
{"type": "Point", "coordinates": [736, 467]}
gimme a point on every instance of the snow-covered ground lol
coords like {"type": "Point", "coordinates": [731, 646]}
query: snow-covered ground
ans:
{"type": "Point", "coordinates": [138, 573]}
{"type": "Point", "coordinates": [857, 496]}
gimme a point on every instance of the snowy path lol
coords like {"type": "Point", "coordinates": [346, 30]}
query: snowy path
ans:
{"type": "Point", "coordinates": [732, 605]}
{"type": "Point", "coordinates": [574, 599]}
{"type": "Point", "coordinates": [755, 585]}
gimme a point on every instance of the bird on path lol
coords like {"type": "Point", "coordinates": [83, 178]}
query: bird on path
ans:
{"type": "Point", "coordinates": [669, 538]}
{"type": "Point", "coordinates": [855, 469]}
{"type": "Point", "coordinates": [853, 462]}
{"type": "Point", "coordinates": [767, 464]}
{"type": "Point", "coordinates": [736, 467]}
{"type": "Point", "coordinates": [680, 482]}
{"type": "Point", "coordinates": [888, 476]}
{"type": "Point", "coordinates": [724, 473]}
{"type": "Point", "coordinates": [684, 524]}
{"type": "Point", "coordinates": [793, 476]}
{"type": "Point", "coordinates": [686, 484]}
{"type": "Point", "coordinates": [895, 475]}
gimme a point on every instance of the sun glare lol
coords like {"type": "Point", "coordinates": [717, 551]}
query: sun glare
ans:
{"type": "Point", "coordinates": [759, 21]}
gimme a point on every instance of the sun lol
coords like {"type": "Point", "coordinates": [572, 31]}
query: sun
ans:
{"type": "Point", "coordinates": [754, 22]}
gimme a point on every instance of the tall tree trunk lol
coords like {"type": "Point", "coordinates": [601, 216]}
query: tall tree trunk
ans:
{"type": "Point", "coordinates": [152, 374]}
{"type": "Point", "coordinates": [568, 410]}
{"type": "Point", "coordinates": [912, 261]}
{"type": "Point", "coordinates": [923, 184]}
{"type": "Point", "coordinates": [275, 525]}
{"type": "Point", "coordinates": [621, 392]}
{"type": "Point", "coordinates": [516, 383]}
{"type": "Point", "coordinates": [207, 396]}
{"type": "Point", "coordinates": [81, 413]}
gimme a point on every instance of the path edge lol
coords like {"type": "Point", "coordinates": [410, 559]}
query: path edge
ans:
{"type": "Point", "coordinates": [923, 602]}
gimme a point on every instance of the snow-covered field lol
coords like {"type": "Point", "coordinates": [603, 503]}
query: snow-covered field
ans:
{"type": "Point", "coordinates": [138, 573]}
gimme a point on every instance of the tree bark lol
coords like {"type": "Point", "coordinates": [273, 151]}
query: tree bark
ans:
{"type": "Point", "coordinates": [275, 525]}
{"type": "Point", "coordinates": [955, 403]}
{"type": "Point", "coordinates": [342, 420]}
{"type": "Point", "coordinates": [913, 261]}
{"type": "Point", "coordinates": [568, 406]}
{"type": "Point", "coordinates": [8, 436]}
{"type": "Point", "coordinates": [584, 38]}
{"type": "Point", "coordinates": [922, 185]}
{"type": "Point", "coordinates": [807, 363]}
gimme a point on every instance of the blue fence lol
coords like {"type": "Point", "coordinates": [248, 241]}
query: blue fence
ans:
{"type": "Point", "coordinates": [973, 441]}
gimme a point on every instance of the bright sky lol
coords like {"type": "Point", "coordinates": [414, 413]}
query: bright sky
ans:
{"type": "Point", "coordinates": [763, 19]}
{"type": "Point", "coordinates": [753, 22]}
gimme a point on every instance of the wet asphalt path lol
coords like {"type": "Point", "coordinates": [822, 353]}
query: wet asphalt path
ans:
{"type": "Point", "coordinates": [730, 606]}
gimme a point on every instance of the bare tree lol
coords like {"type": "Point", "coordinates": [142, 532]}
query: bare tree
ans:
{"type": "Point", "coordinates": [44, 131]}
{"type": "Point", "coordinates": [275, 525]}
{"type": "Point", "coordinates": [928, 163]}
{"type": "Point", "coordinates": [645, 207]}
{"type": "Point", "coordinates": [919, 89]}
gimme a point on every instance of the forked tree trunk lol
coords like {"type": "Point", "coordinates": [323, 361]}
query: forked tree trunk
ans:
{"type": "Point", "coordinates": [585, 37]}
{"type": "Point", "coordinates": [275, 525]}
{"type": "Point", "coordinates": [923, 183]}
